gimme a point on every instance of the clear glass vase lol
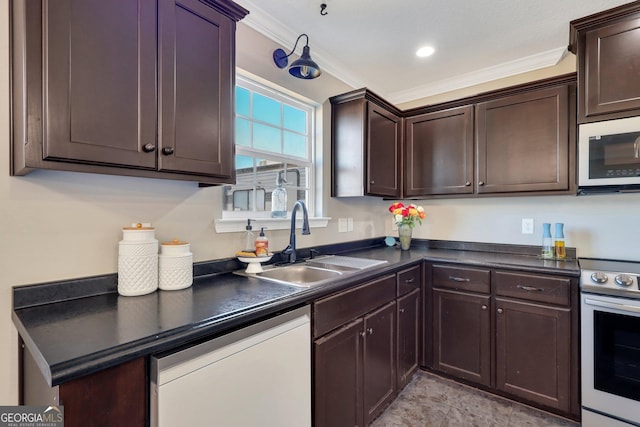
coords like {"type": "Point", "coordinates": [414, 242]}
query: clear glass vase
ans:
{"type": "Point", "coordinates": [404, 233]}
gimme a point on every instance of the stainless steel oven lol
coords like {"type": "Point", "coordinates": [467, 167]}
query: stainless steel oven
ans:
{"type": "Point", "coordinates": [610, 332]}
{"type": "Point", "coordinates": [609, 155]}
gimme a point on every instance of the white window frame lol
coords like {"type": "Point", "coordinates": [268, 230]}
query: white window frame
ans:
{"type": "Point", "coordinates": [236, 220]}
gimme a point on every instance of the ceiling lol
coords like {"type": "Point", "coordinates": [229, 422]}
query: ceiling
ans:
{"type": "Point", "coordinates": [372, 43]}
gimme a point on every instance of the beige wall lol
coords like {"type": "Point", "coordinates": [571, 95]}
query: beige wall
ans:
{"type": "Point", "coordinates": [58, 225]}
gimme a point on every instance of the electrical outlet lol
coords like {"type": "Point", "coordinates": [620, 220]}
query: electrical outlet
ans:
{"type": "Point", "coordinates": [349, 224]}
{"type": "Point", "coordinates": [342, 225]}
{"type": "Point", "coordinates": [527, 225]}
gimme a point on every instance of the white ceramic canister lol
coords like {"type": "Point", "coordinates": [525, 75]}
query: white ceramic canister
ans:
{"type": "Point", "coordinates": [176, 265]}
{"type": "Point", "coordinates": [137, 260]}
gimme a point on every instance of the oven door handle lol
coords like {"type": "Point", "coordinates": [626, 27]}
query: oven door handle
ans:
{"type": "Point", "coordinates": [623, 307]}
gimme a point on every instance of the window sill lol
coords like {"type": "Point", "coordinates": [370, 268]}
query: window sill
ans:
{"type": "Point", "coordinates": [233, 225]}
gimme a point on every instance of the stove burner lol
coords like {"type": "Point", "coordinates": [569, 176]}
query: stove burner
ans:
{"type": "Point", "coordinates": [599, 277]}
{"type": "Point", "coordinates": [624, 280]}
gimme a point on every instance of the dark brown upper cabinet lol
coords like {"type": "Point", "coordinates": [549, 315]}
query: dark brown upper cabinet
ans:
{"type": "Point", "coordinates": [523, 142]}
{"type": "Point", "coordinates": [514, 141]}
{"type": "Point", "coordinates": [607, 46]}
{"type": "Point", "coordinates": [366, 146]}
{"type": "Point", "coordinates": [439, 153]}
{"type": "Point", "coordinates": [153, 98]}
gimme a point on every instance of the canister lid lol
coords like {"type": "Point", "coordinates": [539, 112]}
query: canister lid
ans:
{"type": "Point", "coordinates": [175, 242]}
{"type": "Point", "coordinates": [139, 226]}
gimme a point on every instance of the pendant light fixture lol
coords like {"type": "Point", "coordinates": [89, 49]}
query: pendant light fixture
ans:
{"type": "Point", "coordinates": [303, 67]}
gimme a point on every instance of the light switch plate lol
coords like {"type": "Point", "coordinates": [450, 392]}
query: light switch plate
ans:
{"type": "Point", "coordinates": [527, 225]}
{"type": "Point", "coordinates": [342, 225]}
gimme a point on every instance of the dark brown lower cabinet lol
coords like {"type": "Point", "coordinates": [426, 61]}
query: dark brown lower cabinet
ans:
{"type": "Point", "coordinates": [114, 396]}
{"type": "Point", "coordinates": [533, 350]}
{"type": "Point", "coordinates": [408, 336]}
{"type": "Point", "coordinates": [379, 360]}
{"type": "Point", "coordinates": [355, 370]}
{"type": "Point", "coordinates": [338, 377]}
{"type": "Point", "coordinates": [462, 340]}
{"type": "Point", "coordinates": [515, 333]}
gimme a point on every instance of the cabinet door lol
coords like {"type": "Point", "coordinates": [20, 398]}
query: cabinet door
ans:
{"type": "Point", "coordinates": [100, 82]}
{"type": "Point", "coordinates": [610, 71]}
{"type": "Point", "coordinates": [533, 352]}
{"type": "Point", "coordinates": [461, 335]}
{"type": "Point", "coordinates": [408, 336]}
{"type": "Point", "coordinates": [196, 83]}
{"type": "Point", "coordinates": [384, 135]}
{"type": "Point", "coordinates": [379, 367]}
{"type": "Point", "coordinates": [439, 153]}
{"type": "Point", "coordinates": [115, 396]}
{"type": "Point", "coordinates": [338, 377]}
{"type": "Point", "coordinates": [523, 142]}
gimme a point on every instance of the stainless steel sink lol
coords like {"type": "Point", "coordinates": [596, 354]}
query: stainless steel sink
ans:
{"type": "Point", "coordinates": [299, 275]}
{"type": "Point", "coordinates": [313, 272]}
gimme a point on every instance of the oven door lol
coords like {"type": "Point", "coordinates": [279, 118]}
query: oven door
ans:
{"type": "Point", "coordinates": [611, 356]}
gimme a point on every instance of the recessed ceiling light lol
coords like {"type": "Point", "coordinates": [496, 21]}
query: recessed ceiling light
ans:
{"type": "Point", "coordinates": [425, 51]}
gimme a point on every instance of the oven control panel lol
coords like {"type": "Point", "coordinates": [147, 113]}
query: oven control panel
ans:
{"type": "Point", "coordinates": [610, 277]}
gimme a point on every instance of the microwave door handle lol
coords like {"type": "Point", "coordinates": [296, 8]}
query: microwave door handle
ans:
{"type": "Point", "coordinates": [615, 306]}
{"type": "Point", "coordinates": [636, 147]}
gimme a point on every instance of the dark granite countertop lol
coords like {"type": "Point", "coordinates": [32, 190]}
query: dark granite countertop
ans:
{"type": "Point", "coordinates": [77, 336]}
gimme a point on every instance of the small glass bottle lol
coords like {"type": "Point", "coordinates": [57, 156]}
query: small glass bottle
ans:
{"type": "Point", "coordinates": [279, 198]}
{"type": "Point", "coordinates": [547, 246]}
{"type": "Point", "coordinates": [560, 251]}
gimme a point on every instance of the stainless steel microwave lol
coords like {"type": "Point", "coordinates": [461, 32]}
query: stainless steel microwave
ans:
{"type": "Point", "coordinates": [609, 156]}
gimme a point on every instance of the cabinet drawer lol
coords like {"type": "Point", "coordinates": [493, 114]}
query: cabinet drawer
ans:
{"type": "Point", "coordinates": [461, 278]}
{"type": "Point", "coordinates": [533, 287]}
{"type": "Point", "coordinates": [333, 311]}
{"type": "Point", "coordinates": [409, 279]}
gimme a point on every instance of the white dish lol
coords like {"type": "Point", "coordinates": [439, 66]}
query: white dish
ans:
{"type": "Point", "coordinates": [254, 263]}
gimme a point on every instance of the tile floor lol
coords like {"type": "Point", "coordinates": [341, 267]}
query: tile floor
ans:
{"type": "Point", "coordinates": [432, 401]}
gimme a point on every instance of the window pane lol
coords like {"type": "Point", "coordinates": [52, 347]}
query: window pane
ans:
{"type": "Point", "coordinates": [295, 145]}
{"type": "Point", "coordinates": [266, 109]}
{"type": "Point", "coordinates": [266, 138]}
{"type": "Point", "coordinates": [295, 119]}
{"type": "Point", "coordinates": [243, 101]}
{"type": "Point", "coordinates": [244, 162]}
{"type": "Point", "coordinates": [243, 132]}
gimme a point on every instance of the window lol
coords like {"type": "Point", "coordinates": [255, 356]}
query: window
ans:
{"type": "Point", "coordinates": [274, 141]}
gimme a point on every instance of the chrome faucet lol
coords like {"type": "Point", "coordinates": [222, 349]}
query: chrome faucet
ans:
{"type": "Point", "coordinates": [291, 249]}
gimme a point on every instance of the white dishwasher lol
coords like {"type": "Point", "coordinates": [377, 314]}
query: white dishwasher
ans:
{"type": "Point", "coordinates": [257, 376]}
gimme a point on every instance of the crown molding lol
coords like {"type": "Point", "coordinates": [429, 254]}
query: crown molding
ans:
{"type": "Point", "coordinates": [275, 30]}
{"type": "Point", "coordinates": [499, 71]}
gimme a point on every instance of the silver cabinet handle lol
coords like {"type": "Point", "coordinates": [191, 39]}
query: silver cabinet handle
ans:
{"type": "Point", "coordinates": [500, 311]}
{"type": "Point", "coordinates": [467, 184]}
{"type": "Point", "coordinates": [148, 148]}
{"type": "Point", "coordinates": [409, 280]}
{"type": "Point", "coordinates": [459, 279]}
{"type": "Point", "coordinates": [372, 182]}
{"type": "Point", "coordinates": [530, 288]}
{"type": "Point", "coordinates": [401, 310]}
{"type": "Point", "coordinates": [363, 333]}
{"type": "Point", "coordinates": [167, 151]}
{"type": "Point", "coordinates": [370, 331]}
{"type": "Point", "coordinates": [480, 182]}
{"type": "Point", "coordinates": [484, 307]}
